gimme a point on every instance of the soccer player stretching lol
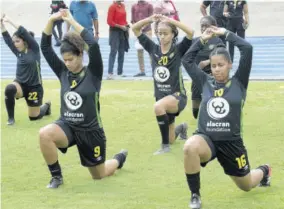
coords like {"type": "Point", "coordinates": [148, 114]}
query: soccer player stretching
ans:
{"type": "Point", "coordinates": [80, 122]}
{"type": "Point", "coordinates": [220, 120]}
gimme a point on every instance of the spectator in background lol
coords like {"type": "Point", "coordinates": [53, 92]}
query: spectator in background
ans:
{"type": "Point", "coordinates": [238, 20]}
{"type": "Point", "coordinates": [55, 7]}
{"type": "Point", "coordinates": [139, 11]}
{"type": "Point", "coordinates": [216, 11]}
{"type": "Point", "coordinates": [85, 13]}
{"type": "Point", "coordinates": [167, 8]}
{"type": "Point", "coordinates": [118, 36]}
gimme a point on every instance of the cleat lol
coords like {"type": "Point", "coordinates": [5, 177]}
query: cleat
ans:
{"type": "Point", "coordinates": [124, 153]}
{"type": "Point", "coordinates": [195, 202]}
{"type": "Point", "coordinates": [48, 112]}
{"type": "Point", "coordinates": [164, 149]}
{"type": "Point", "coordinates": [10, 121]}
{"type": "Point", "coordinates": [181, 131]}
{"type": "Point", "coordinates": [55, 182]}
{"type": "Point", "coordinates": [140, 74]}
{"type": "Point", "coordinates": [265, 182]}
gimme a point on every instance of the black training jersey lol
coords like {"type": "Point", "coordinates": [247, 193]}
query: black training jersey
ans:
{"type": "Point", "coordinates": [167, 72]}
{"type": "Point", "coordinates": [220, 115]}
{"type": "Point", "coordinates": [235, 8]}
{"type": "Point", "coordinates": [204, 53]}
{"type": "Point", "coordinates": [216, 8]}
{"type": "Point", "coordinates": [80, 106]}
{"type": "Point", "coordinates": [28, 63]}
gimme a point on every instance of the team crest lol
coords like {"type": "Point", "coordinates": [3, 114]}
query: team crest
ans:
{"type": "Point", "coordinates": [161, 74]}
{"type": "Point", "coordinates": [211, 46]}
{"type": "Point", "coordinates": [73, 100]}
{"type": "Point", "coordinates": [218, 108]}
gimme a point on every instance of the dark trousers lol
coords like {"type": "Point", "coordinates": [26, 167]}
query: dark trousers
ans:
{"type": "Point", "coordinates": [57, 24]}
{"type": "Point", "coordinates": [117, 44]}
{"type": "Point", "coordinates": [236, 26]}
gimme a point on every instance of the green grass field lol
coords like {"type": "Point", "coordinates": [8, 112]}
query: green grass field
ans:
{"type": "Point", "coordinates": [146, 181]}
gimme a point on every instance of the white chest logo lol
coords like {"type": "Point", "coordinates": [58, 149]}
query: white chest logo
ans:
{"type": "Point", "coordinates": [73, 100]}
{"type": "Point", "coordinates": [161, 74]}
{"type": "Point", "coordinates": [218, 108]}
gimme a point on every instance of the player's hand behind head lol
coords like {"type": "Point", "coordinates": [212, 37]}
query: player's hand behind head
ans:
{"type": "Point", "coordinates": [66, 15]}
{"type": "Point", "coordinates": [218, 31]}
{"type": "Point", "coordinates": [207, 34]}
{"type": "Point", "coordinates": [56, 16]}
{"type": "Point", "coordinates": [156, 17]}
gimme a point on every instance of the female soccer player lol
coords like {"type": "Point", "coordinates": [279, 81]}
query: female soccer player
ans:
{"type": "Point", "coordinates": [80, 122]}
{"type": "Point", "coordinates": [203, 61]}
{"type": "Point", "coordinates": [28, 83]}
{"type": "Point", "coordinates": [170, 93]}
{"type": "Point", "coordinates": [219, 124]}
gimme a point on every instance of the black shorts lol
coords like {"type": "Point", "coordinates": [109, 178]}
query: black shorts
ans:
{"type": "Point", "coordinates": [91, 145]}
{"type": "Point", "coordinates": [32, 94]}
{"type": "Point", "coordinates": [232, 155]}
{"type": "Point", "coordinates": [182, 102]}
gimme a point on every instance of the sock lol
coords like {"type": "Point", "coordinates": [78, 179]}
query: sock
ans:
{"type": "Point", "coordinates": [43, 109]}
{"type": "Point", "coordinates": [120, 157]}
{"type": "Point", "coordinates": [163, 122]}
{"type": "Point", "coordinates": [55, 169]}
{"type": "Point", "coordinates": [264, 169]}
{"type": "Point", "coordinates": [193, 181]}
{"type": "Point", "coordinates": [10, 92]}
{"type": "Point", "coordinates": [178, 130]}
{"type": "Point", "coordinates": [195, 112]}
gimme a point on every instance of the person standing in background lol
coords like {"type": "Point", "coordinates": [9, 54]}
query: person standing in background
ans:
{"type": "Point", "coordinates": [139, 11]}
{"type": "Point", "coordinates": [238, 20]}
{"type": "Point", "coordinates": [55, 7]}
{"type": "Point", "coordinates": [118, 36]}
{"type": "Point", "coordinates": [216, 11]}
{"type": "Point", "coordinates": [85, 13]}
{"type": "Point", "coordinates": [166, 8]}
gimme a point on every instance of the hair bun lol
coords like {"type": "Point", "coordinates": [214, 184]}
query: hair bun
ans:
{"type": "Point", "coordinates": [32, 34]}
{"type": "Point", "coordinates": [220, 45]}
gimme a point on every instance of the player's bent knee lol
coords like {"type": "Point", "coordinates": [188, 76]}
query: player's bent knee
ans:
{"type": "Point", "coordinates": [245, 188]}
{"type": "Point", "coordinates": [45, 135]}
{"type": "Point", "coordinates": [10, 90]}
{"type": "Point", "coordinates": [191, 146]}
{"type": "Point", "coordinates": [158, 109]}
{"type": "Point", "coordinates": [97, 177]}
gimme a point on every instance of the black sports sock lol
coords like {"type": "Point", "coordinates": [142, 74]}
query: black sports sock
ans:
{"type": "Point", "coordinates": [195, 112]}
{"type": "Point", "coordinates": [163, 122]}
{"type": "Point", "coordinates": [193, 181]}
{"type": "Point", "coordinates": [264, 169]}
{"type": "Point", "coordinates": [10, 92]}
{"type": "Point", "coordinates": [55, 169]}
{"type": "Point", "coordinates": [120, 157]}
{"type": "Point", "coordinates": [43, 109]}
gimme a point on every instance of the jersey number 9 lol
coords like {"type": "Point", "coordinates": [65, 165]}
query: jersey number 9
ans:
{"type": "Point", "coordinates": [97, 151]}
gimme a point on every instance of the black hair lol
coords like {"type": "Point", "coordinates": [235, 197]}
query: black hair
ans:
{"type": "Point", "coordinates": [73, 43]}
{"type": "Point", "coordinates": [220, 49]}
{"type": "Point", "coordinates": [210, 19]}
{"type": "Point", "coordinates": [172, 26]}
{"type": "Point", "coordinates": [32, 34]}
